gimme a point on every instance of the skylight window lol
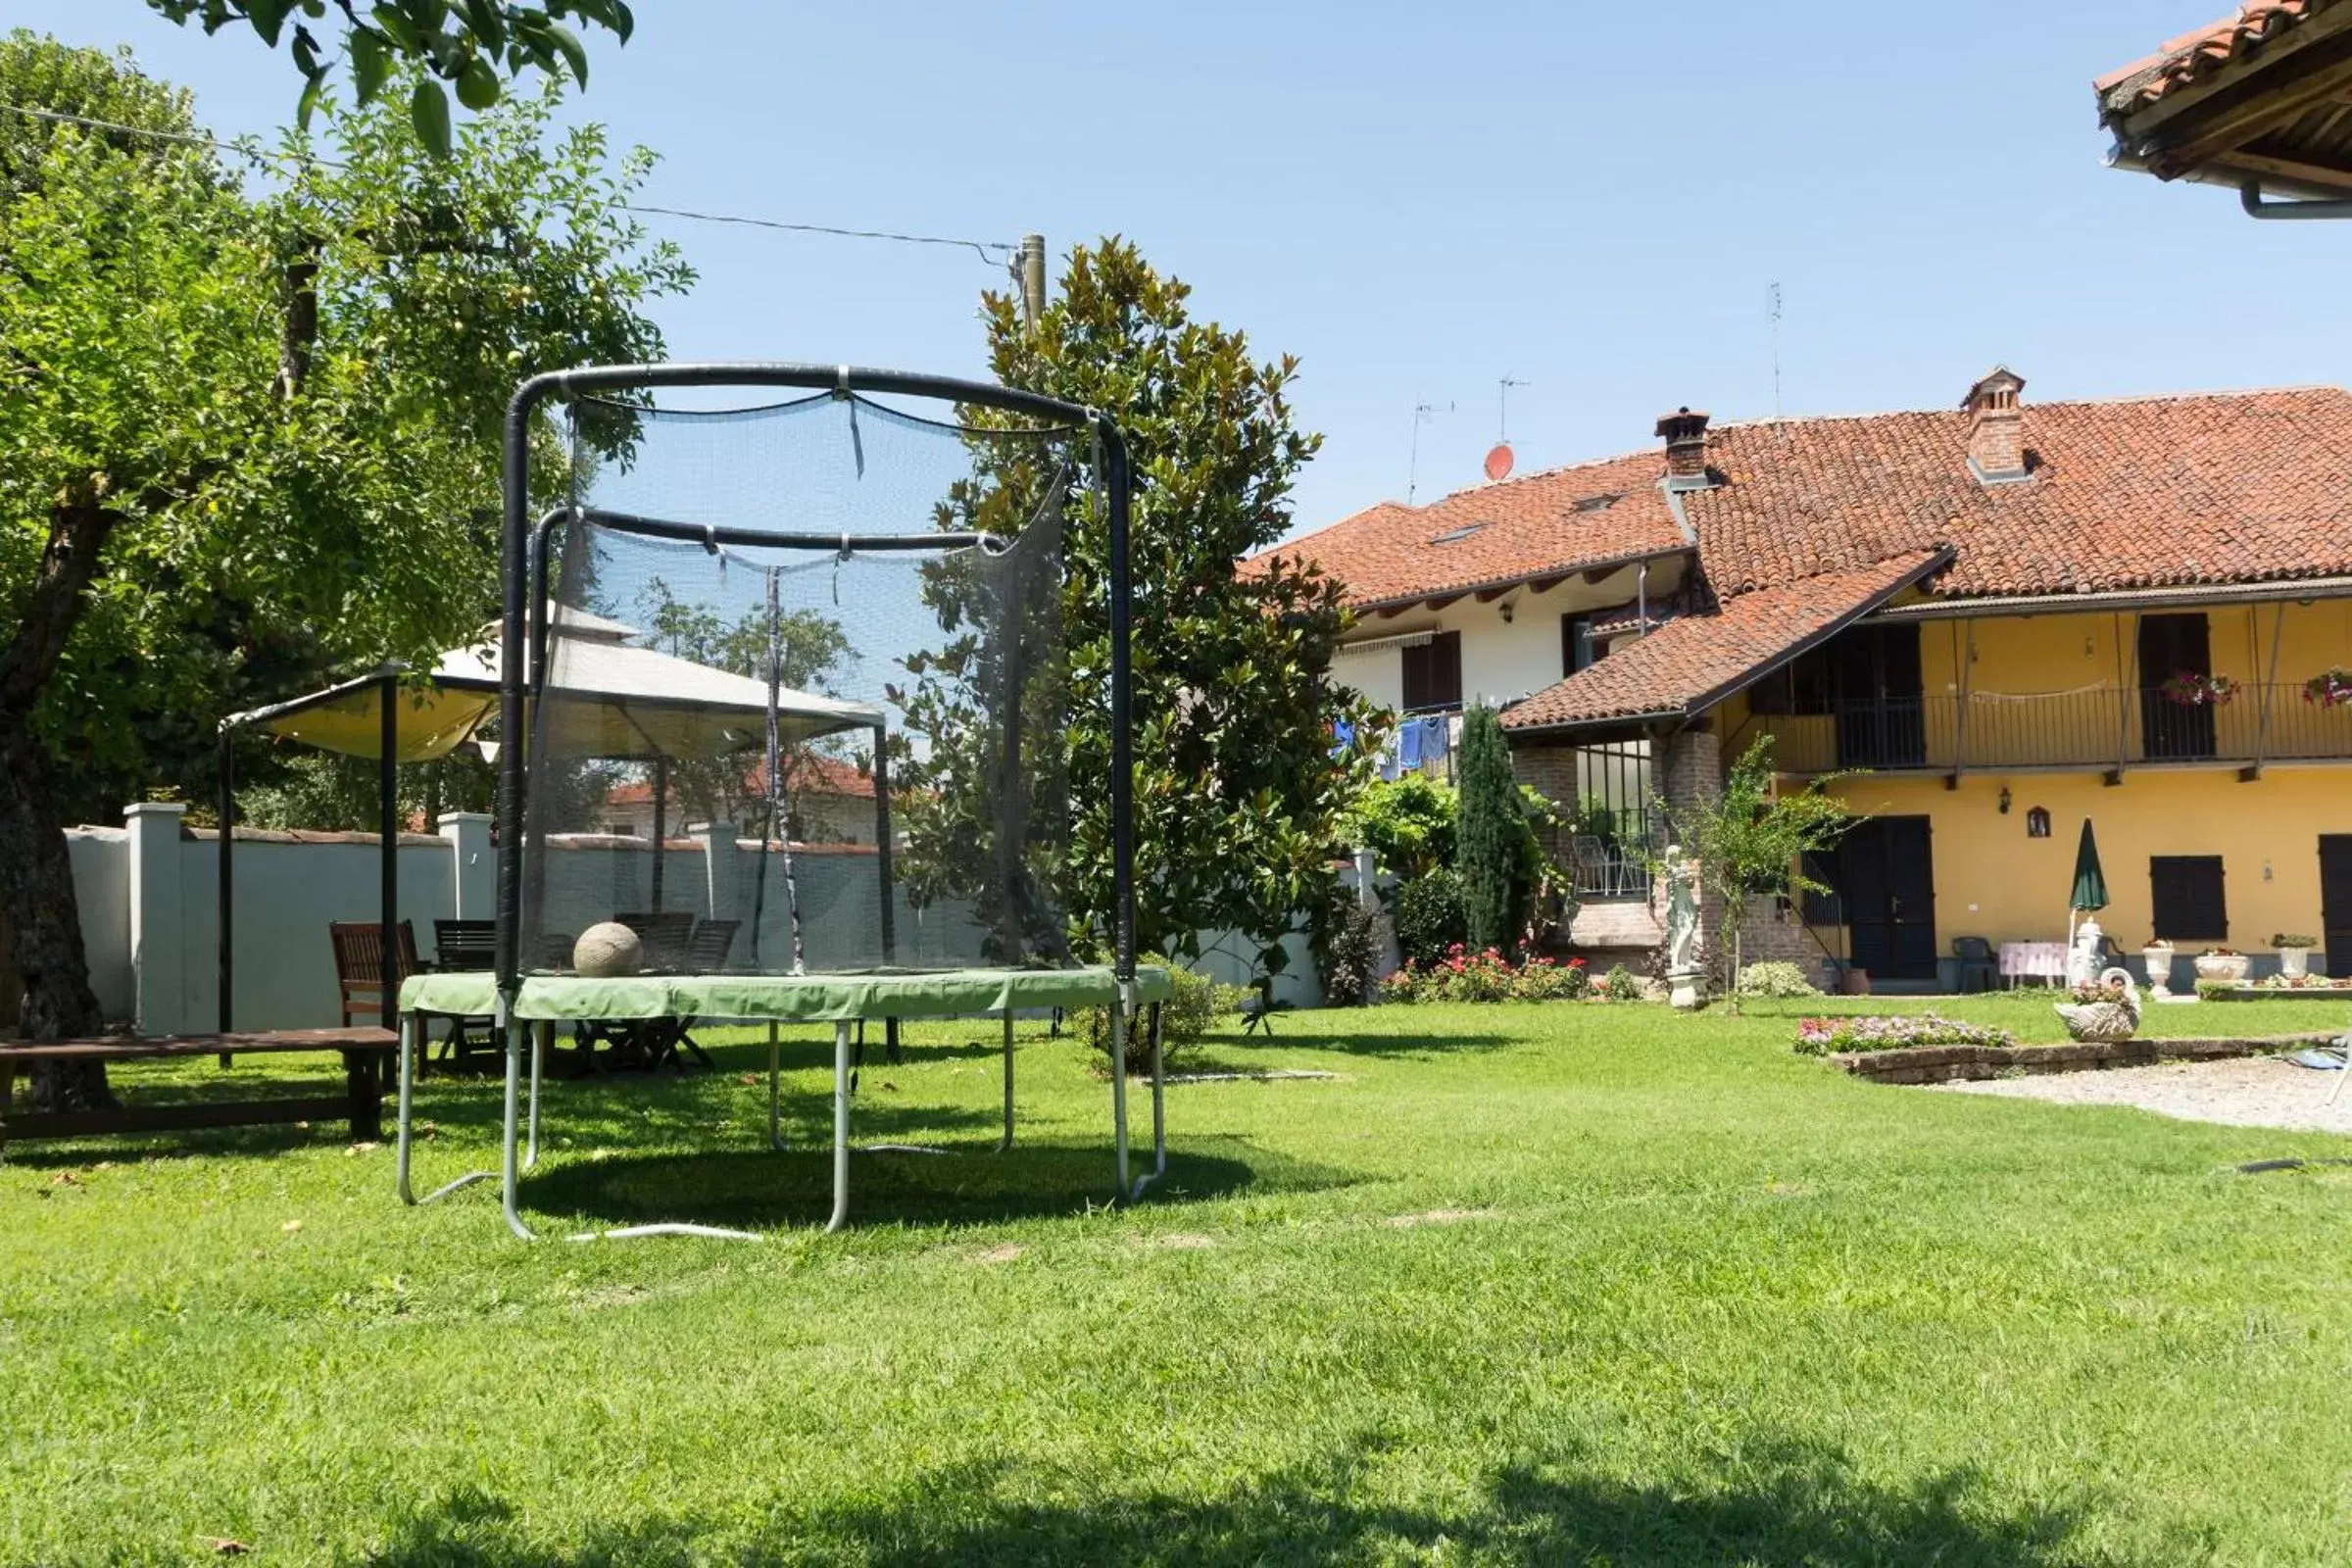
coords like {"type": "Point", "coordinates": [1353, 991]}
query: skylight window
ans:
{"type": "Point", "coordinates": [1598, 503]}
{"type": "Point", "coordinates": [1452, 534]}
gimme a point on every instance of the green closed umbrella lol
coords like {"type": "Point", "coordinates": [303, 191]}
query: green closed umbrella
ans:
{"type": "Point", "coordinates": [2090, 884]}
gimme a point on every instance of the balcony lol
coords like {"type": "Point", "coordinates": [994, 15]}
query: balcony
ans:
{"type": "Point", "coordinates": [2108, 728]}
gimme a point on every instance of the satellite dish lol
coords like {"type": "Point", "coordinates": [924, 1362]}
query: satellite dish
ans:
{"type": "Point", "coordinates": [1498, 460]}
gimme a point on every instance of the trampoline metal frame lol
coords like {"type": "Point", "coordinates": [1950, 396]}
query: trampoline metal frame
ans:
{"type": "Point", "coordinates": [519, 673]}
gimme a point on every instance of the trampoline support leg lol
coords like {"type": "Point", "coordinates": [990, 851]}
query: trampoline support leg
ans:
{"type": "Point", "coordinates": [1159, 1107]}
{"type": "Point", "coordinates": [1008, 1140]}
{"type": "Point", "coordinates": [1122, 1009]}
{"type": "Point", "coordinates": [507, 1170]}
{"type": "Point", "coordinates": [543, 1036]}
{"type": "Point", "coordinates": [841, 1128]}
{"type": "Point", "coordinates": [775, 1091]}
{"type": "Point", "coordinates": [407, 1027]}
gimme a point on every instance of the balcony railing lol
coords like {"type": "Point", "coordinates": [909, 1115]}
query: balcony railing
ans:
{"type": "Point", "coordinates": [2104, 726]}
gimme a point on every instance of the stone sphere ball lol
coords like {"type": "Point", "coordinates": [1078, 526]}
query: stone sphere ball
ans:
{"type": "Point", "coordinates": [607, 949]}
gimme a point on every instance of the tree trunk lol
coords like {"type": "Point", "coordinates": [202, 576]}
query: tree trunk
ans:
{"type": "Point", "coordinates": [37, 874]}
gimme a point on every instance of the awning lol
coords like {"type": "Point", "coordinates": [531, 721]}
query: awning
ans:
{"type": "Point", "coordinates": [609, 699]}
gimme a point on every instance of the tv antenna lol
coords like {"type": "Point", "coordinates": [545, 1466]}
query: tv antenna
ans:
{"type": "Point", "coordinates": [1772, 307]}
{"type": "Point", "coordinates": [1423, 413]}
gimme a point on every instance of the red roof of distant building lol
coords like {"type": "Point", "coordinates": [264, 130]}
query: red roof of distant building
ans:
{"type": "Point", "coordinates": [808, 775]}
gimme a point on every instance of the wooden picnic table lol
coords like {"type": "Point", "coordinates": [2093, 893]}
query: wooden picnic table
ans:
{"type": "Point", "coordinates": [366, 1049]}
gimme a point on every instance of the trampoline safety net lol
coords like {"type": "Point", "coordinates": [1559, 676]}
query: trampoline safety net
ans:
{"type": "Point", "coordinates": [802, 691]}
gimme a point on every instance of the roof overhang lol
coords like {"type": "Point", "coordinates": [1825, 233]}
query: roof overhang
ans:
{"type": "Point", "coordinates": [2260, 97]}
{"type": "Point", "coordinates": [2286, 589]}
{"type": "Point", "coordinates": [1495, 588]}
{"type": "Point", "coordinates": [1693, 708]}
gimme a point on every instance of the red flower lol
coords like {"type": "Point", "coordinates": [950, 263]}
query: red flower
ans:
{"type": "Point", "coordinates": [1576, 963]}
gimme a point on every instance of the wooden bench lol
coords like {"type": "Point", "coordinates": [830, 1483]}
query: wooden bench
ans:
{"type": "Point", "coordinates": [366, 1052]}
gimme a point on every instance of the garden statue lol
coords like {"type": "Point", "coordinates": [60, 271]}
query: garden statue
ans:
{"type": "Point", "coordinates": [2084, 961]}
{"type": "Point", "coordinates": [1682, 973]}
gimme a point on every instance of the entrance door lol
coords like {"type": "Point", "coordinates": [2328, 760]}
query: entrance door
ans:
{"type": "Point", "coordinates": [2335, 901]}
{"type": "Point", "coordinates": [2169, 646]}
{"type": "Point", "coordinates": [1875, 673]}
{"type": "Point", "coordinates": [1887, 881]}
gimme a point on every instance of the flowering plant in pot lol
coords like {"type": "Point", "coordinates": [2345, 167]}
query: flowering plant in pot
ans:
{"type": "Point", "coordinates": [2193, 688]}
{"type": "Point", "coordinates": [2226, 964]}
{"type": "Point", "coordinates": [2329, 688]}
{"type": "Point", "coordinates": [2294, 951]}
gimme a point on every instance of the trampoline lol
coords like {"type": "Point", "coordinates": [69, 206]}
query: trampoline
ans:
{"type": "Point", "coordinates": [867, 573]}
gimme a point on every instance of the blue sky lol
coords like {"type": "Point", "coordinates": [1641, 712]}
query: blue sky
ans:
{"type": "Point", "coordinates": [1418, 200]}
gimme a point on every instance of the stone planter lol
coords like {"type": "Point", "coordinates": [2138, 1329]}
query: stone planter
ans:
{"type": "Point", "coordinates": [2295, 962]}
{"type": "Point", "coordinates": [2229, 967]}
{"type": "Point", "coordinates": [2158, 956]}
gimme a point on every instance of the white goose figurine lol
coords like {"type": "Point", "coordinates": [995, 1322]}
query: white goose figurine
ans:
{"type": "Point", "coordinates": [2107, 1021]}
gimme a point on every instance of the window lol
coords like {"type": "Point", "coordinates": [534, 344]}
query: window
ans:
{"type": "Point", "coordinates": [1433, 674]}
{"type": "Point", "coordinates": [2189, 899]}
{"type": "Point", "coordinates": [1823, 868]}
{"type": "Point", "coordinates": [1577, 647]}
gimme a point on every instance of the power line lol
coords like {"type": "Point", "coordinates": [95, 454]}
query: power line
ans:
{"type": "Point", "coordinates": [991, 252]}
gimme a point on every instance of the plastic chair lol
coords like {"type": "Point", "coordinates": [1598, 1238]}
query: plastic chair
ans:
{"type": "Point", "coordinates": [1980, 971]}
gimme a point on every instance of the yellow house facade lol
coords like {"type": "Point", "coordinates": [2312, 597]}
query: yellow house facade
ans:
{"type": "Point", "coordinates": [1987, 627]}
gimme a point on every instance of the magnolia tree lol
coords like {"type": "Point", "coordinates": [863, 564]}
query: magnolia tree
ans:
{"type": "Point", "coordinates": [1752, 841]}
{"type": "Point", "coordinates": [254, 431]}
{"type": "Point", "coordinates": [1239, 780]}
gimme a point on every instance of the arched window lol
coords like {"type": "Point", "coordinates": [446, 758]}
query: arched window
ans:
{"type": "Point", "coordinates": [2037, 824]}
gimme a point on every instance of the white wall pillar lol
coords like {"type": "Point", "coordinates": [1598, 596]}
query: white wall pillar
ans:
{"type": "Point", "coordinates": [722, 874]}
{"type": "Point", "coordinates": [473, 875]}
{"type": "Point", "coordinates": [159, 929]}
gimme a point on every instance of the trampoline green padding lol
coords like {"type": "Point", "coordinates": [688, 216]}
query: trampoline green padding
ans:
{"type": "Point", "coordinates": [840, 999]}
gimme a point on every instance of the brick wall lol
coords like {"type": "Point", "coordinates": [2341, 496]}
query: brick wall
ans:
{"type": "Point", "coordinates": [1552, 770]}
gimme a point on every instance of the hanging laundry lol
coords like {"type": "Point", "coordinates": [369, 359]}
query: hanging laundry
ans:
{"type": "Point", "coordinates": [1408, 744]}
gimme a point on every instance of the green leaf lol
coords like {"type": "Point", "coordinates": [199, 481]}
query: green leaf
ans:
{"type": "Point", "coordinates": [428, 111]}
{"type": "Point", "coordinates": [575, 55]}
{"type": "Point", "coordinates": [399, 28]}
{"type": "Point", "coordinates": [308, 105]}
{"type": "Point", "coordinates": [370, 62]}
{"type": "Point", "coordinates": [266, 17]}
{"type": "Point", "coordinates": [477, 85]}
{"type": "Point", "coordinates": [487, 19]}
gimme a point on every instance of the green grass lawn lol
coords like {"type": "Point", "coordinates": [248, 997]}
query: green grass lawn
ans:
{"type": "Point", "coordinates": [1521, 1284]}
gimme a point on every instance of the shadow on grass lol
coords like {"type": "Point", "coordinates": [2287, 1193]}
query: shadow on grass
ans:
{"type": "Point", "coordinates": [1403, 1042]}
{"type": "Point", "coordinates": [968, 1186]}
{"type": "Point", "coordinates": [1799, 1505]}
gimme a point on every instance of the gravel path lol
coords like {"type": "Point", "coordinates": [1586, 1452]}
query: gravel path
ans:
{"type": "Point", "coordinates": [2249, 1091]}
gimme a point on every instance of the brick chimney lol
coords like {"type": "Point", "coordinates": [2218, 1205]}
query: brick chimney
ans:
{"type": "Point", "coordinates": [1685, 436]}
{"type": "Point", "coordinates": [1996, 446]}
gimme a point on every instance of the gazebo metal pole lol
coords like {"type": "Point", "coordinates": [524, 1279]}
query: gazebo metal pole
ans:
{"type": "Point", "coordinates": [660, 822]}
{"type": "Point", "coordinates": [388, 844]}
{"type": "Point", "coordinates": [887, 874]}
{"type": "Point", "coordinates": [225, 899]}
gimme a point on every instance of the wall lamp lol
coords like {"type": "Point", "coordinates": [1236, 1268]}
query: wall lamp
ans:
{"type": "Point", "coordinates": [2004, 800]}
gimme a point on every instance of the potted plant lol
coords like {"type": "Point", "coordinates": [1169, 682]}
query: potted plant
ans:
{"type": "Point", "coordinates": [2195, 689]}
{"type": "Point", "coordinates": [2158, 956]}
{"type": "Point", "coordinates": [2223, 964]}
{"type": "Point", "coordinates": [2329, 688]}
{"type": "Point", "coordinates": [2294, 953]}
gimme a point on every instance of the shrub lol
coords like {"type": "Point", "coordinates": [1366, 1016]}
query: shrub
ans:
{"type": "Point", "coordinates": [1776, 978]}
{"type": "Point", "coordinates": [1620, 984]}
{"type": "Point", "coordinates": [1466, 976]}
{"type": "Point", "coordinates": [1408, 822]}
{"type": "Point", "coordinates": [1189, 1014]}
{"type": "Point", "coordinates": [1427, 914]}
{"type": "Point", "coordinates": [1818, 1037]}
{"type": "Point", "coordinates": [1344, 937]}
{"type": "Point", "coordinates": [1492, 841]}
{"type": "Point", "coordinates": [2290, 939]}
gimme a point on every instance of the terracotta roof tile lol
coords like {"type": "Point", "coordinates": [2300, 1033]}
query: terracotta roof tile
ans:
{"type": "Point", "coordinates": [2142, 493]}
{"type": "Point", "coordinates": [1683, 663]}
{"type": "Point", "coordinates": [1564, 519]}
{"type": "Point", "coordinates": [2182, 62]}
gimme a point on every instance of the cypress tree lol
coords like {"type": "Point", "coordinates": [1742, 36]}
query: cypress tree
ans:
{"type": "Point", "coordinates": [1490, 842]}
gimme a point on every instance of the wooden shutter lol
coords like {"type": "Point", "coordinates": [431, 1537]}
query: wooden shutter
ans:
{"type": "Point", "coordinates": [1433, 673]}
{"type": "Point", "coordinates": [2188, 897]}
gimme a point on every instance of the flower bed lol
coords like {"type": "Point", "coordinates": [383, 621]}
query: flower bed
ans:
{"type": "Point", "coordinates": [2276, 984]}
{"type": "Point", "coordinates": [1489, 976]}
{"type": "Point", "coordinates": [1821, 1037]}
